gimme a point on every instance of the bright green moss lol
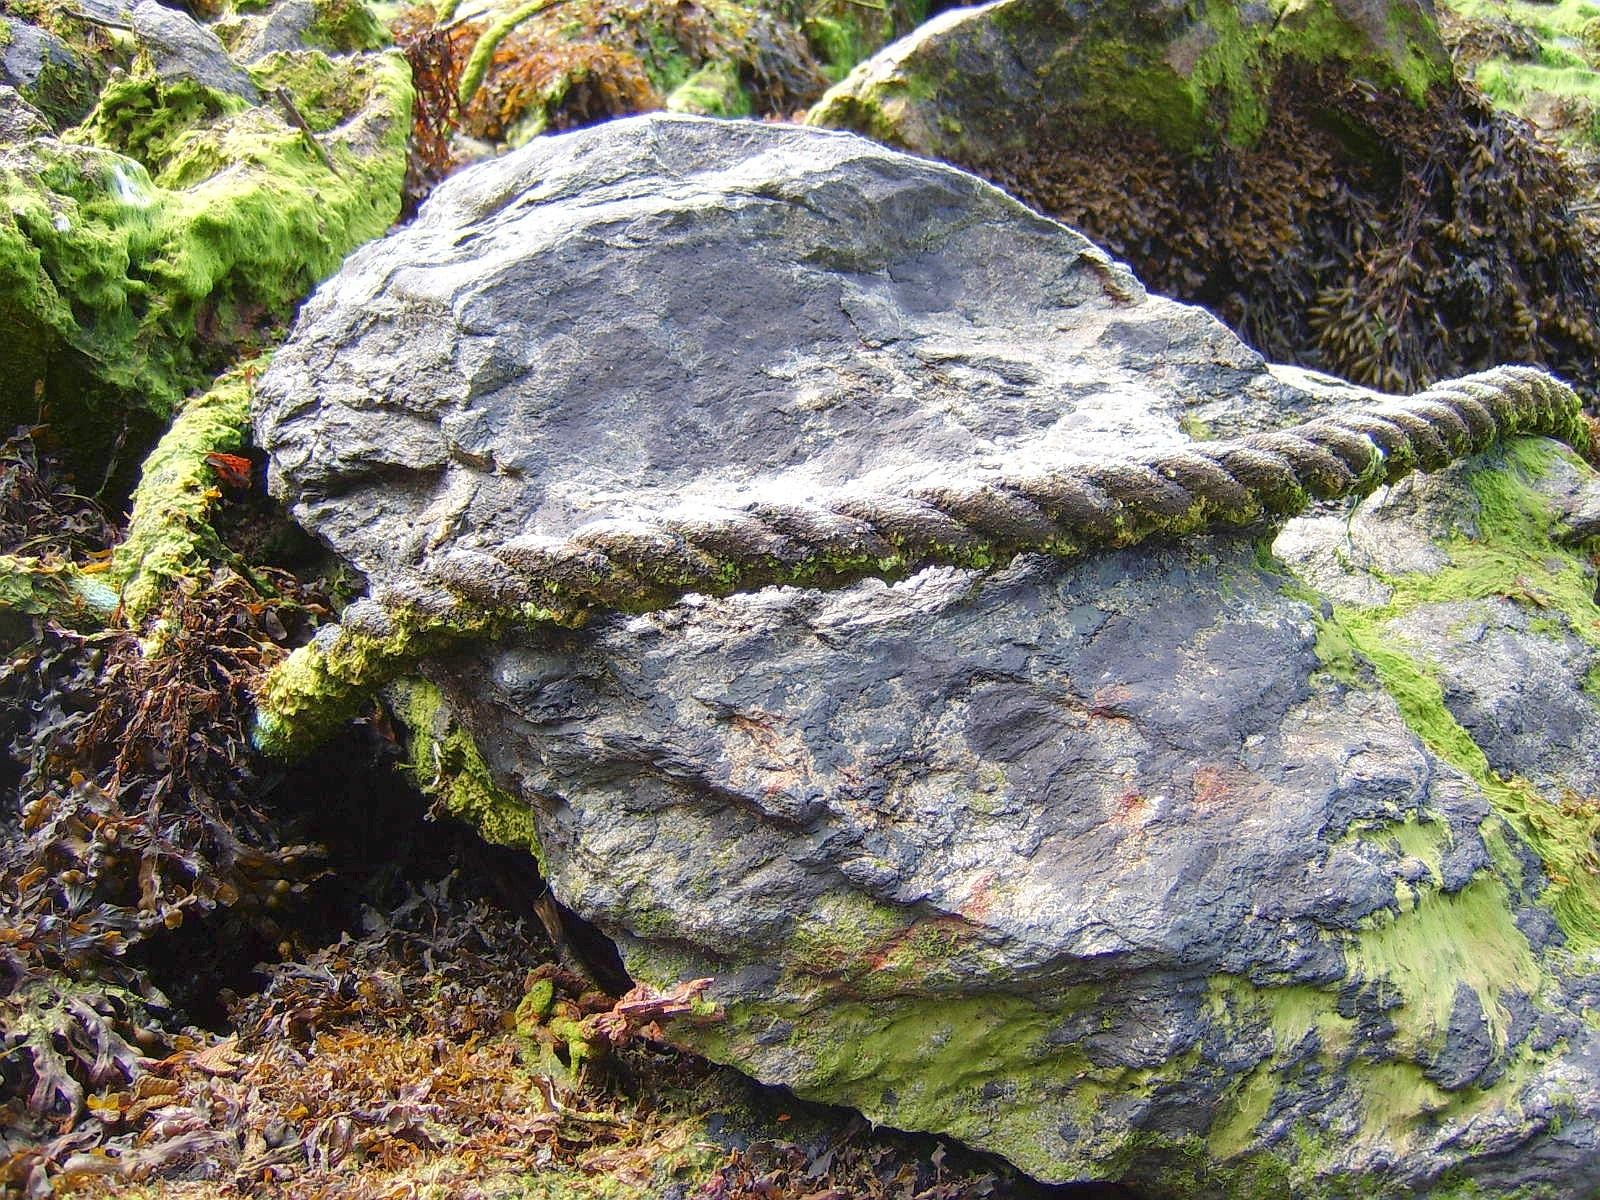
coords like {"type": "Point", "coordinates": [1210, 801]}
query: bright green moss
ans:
{"type": "Point", "coordinates": [169, 533]}
{"type": "Point", "coordinates": [1514, 555]}
{"type": "Point", "coordinates": [346, 26]}
{"type": "Point", "coordinates": [712, 91]}
{"type": "Point", "coordinates": [447, 764]}
{"type": "Point", "coordinates": [174, 229]}
{"type": "Point", "coordinates": [1559, 74]}
{"type": "Point", "coordinates": [30, 587]}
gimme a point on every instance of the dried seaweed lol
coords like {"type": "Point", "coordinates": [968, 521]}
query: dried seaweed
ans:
{"type": "Point", "coordinates": [40, 513]}
{"type": "Point", "coordinates": [131, 816]}
{"type": "Point", "coordinates": [1363, 236]}
{"type": "Point", "coordinates": [437, 55]}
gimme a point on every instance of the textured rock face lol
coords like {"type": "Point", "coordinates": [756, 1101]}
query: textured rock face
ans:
{"type": "Point", "coordinates": [1172, 865]}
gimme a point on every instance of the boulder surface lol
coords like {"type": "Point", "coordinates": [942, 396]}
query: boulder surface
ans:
{"type": "Point", "coordinates": [1191, 865]}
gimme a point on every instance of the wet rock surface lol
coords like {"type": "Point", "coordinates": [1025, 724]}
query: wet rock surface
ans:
{"type": "Point", "coordinates": [1173, 866]}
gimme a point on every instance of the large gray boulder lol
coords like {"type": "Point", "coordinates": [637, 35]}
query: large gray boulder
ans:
{"type": "Point", "coordinates": [1169, 865]}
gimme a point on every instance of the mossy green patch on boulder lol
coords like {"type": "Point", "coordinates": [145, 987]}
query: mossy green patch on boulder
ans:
{"type": "Point", "coordinates": [33, 588]}
{"type": "Point", "coordinates": [1513, 552]}
{"type": "Point", "coordinates": [178, 226]}
{"type": "Point", "coordinates": [712, 91]}
{"type": "Point", "coordinates": [169, 532]}
{"type": "Point", "coordinates": [1194, 75]}
{"type": "Point", "coordinates": [448, 766]}
{"type": "Point", "coordinates": [1538, 60]}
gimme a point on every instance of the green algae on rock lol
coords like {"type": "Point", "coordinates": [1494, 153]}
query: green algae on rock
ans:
{"type": "Point", "coordinates": [448, 766]}
{"type": "Point", "coordinates": [1196, 76]}
{"type": "Point", "coordinates": [1345, 171]}
{"type": "Point", "coordinates": [1538, 60]}
{"type": "Point", "coordinates": [169, 532]}
{"type": "Point", "coordinates": [178, 225]}
{"type": "Point", "coordinates": [31, 587]}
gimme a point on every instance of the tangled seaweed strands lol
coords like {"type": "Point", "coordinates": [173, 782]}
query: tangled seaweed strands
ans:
{"type": "Point", "coordinates": [1360, 235]}
{"type": "Point", "coordinates": [132, 817]}
{"type": "Point", "coordinates": [571, 63]}
{"type": "Point", "coordinates": [437, 55]}
{"type": "Point", "coordinates": [980, 521]}
{"type": "Point", "coordinates": [39, 513]}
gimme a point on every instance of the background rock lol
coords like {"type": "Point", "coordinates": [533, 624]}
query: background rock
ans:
{"type": "Point", "coordinates": [178, 225]}
{"type": "Point", "coordinates": [1158, 866]}
{"type": "Point", "coordinates": [1309, 172]}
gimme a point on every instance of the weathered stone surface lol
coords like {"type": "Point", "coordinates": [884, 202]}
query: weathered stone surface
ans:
{"type": "Point", "coordinates": [182, 48]}
{"type": "Point", "coordinates": [1159, 866]}
{"type": "Point", "coordinates": [46, 71]}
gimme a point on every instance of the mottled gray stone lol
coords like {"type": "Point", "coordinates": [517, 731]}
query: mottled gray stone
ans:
{"type": "Point", "coordinates": [182, 48]}
{"type": "Point", "coordinates": [46, 71]}
{"type": "Point", "coordinates": [1095, 863]}
{"type": "Point", "coordinates": [281, 28]}
{"type": "Point", "coordinates": [1516, 682]}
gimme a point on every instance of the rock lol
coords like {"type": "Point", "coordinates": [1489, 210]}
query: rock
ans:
{"type": "Point", "coordinates": [47, 72]}
{"type": "Point", "coordinates": [1340, 160]}
{"type": "Point", "coordinates": [978, 82]}
{"type": "Point", "coordinates": [1157, 866]}
{"type": "Point", "coordinates": [337, 26]}
{"type": "Point", "coordinates": [182, 48]}
{"type": "Point", "coordinates": [175, 227]}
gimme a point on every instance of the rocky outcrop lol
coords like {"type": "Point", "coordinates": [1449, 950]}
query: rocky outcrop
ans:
{"type": "Point", "coordinates": [1312, 172]}
{"type": "Point", "coordinates": [180, 222]}
{"type": "Point", "coordinates": [1200, 864]}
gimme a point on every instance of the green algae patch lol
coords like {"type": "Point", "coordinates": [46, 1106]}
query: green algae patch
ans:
{"type": "Point", "coordinates": [447, 765]}
{"type": "Point", "coordinates": [32, 587]}
{"type": "Point", "coordinates": [346, 26]}
{"type": "Point", "coordinates": [1448, 939]}
{"type": "Point", "coordinates": [1194, 76]}
{"type": "Point", "coordinates": [1515, 555]}
{"type": "Point", "coordinates": [1536, 60]}
{"type": "Point", "coordinates": [712, 91]}
{"type": "Point", "coordinates": [176, 229]}
{"type": "Point", "coordinates": [169, 533]}
{"type": "Point", "coordinates": [922, 1063]}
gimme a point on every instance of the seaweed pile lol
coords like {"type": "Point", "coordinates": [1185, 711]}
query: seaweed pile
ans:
{"type": "Point", "coordinates": [1361, 236]}
{"type": "Point", "coordinates": [513, 73]}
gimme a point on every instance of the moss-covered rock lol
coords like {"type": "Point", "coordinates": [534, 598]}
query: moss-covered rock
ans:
{"type": "Point", "coordinates": [170, 533]}
{"type": "Point", "coordinates": [178, 225]}
{"type": "Point", "coordinates": [1157, 865]}
{"type": "Point", "coordinates": [448, 766]}
{"type": "Point", "coordinates": [980, 83]}
{"type": "Point", "coordinates": [1541, 61]}
{"type": "Point", "coordinates": [34, 588]}
{"type": "Point", "coordinates": [1310, 171]}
